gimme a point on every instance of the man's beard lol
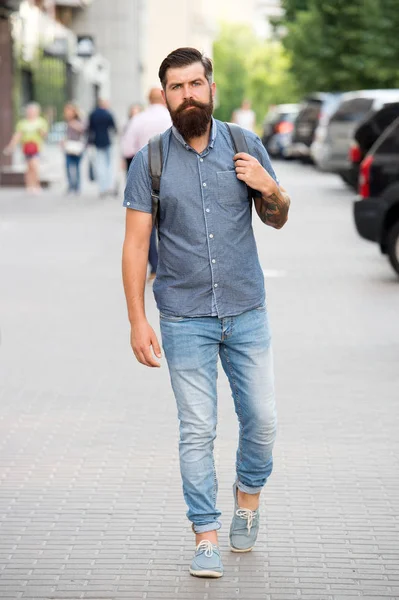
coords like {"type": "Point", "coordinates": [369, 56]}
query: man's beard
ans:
{"type": "Point", "coordinates": [193, 122]}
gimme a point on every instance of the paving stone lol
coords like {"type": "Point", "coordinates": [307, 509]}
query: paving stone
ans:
{"type": "Point", "coordinates": [90, 494]}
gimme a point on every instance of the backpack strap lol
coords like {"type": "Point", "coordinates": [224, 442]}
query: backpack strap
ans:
{"type": "Point", "coordinates": [240, 145]}
{"type": "Point", "coordinates": [238, 137]}
{"type": "Point", "coordinates": [155, 169]}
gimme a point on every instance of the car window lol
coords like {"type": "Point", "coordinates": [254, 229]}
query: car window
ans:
{"type": "Point", "coordinates": [352, 110]}
{"type": "Point", "coordinates": [388, 143]}
{"type": "Point", "coordinates": [311, 111]}
{"type": "Point", "coordinates": [288, 116]}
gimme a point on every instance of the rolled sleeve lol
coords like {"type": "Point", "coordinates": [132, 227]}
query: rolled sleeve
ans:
{"type": "Point", "coordinates": [138, 185]}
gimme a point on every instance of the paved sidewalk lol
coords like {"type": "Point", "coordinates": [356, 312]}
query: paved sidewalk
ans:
{"type": "Point", "coordinates": [90, 495]}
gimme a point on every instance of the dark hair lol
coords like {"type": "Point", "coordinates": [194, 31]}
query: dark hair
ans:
{"type": "Point", "coordinates": [183, 57]}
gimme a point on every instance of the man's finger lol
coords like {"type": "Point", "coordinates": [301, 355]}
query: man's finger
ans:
{"type": "Point", "coordinates": [241, 163]}
{"type": "Point", "coordinates": [150, 360]}
{"type": "Point", "coordinates": [156, 347]}
{"type": "Point", "coordinates": [142, 359]}
{"type": "Point", "coordinates": [242, 156]}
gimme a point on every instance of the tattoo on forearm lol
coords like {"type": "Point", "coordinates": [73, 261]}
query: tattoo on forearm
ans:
{"type": "Point", "coordinates": [273, 209]}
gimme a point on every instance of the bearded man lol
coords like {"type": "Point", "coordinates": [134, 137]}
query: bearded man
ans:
{"type": "Point", "coordinates": [209, 289]}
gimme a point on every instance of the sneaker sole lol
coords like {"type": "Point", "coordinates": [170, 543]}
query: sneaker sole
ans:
{"type": "Point", "coordinates": [241, 551]}
{"type": "Point", "coordinates": [213, 574]}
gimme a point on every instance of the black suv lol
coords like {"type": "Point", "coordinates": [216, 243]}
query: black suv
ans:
{"type": "Point", "coordinates": [377, 212]}
{"type": "Point", "coordinates": [367, 134]}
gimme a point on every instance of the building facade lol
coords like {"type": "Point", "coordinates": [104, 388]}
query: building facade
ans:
{"type": "Point", "coordinates": [116, 28]}
{"type": "Point", "coordinates": [188, 24]}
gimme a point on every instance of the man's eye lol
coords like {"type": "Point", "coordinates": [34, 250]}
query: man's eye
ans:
{"type": "Point", "coordinates": [176, 87]}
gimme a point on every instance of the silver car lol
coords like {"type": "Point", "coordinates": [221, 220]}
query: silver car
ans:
{"type": "Point", "coordinates": [333, 140]}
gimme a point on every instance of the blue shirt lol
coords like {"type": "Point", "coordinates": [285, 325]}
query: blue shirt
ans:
{"type": "Point", "coordinates": [208, 262]}
{"type": "Point", "coordinates": [101, 122]}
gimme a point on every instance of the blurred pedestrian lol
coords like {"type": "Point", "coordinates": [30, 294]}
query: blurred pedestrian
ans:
{"type": "Point", "coordinates": [73, 145]}
{"type": "Point", "coordinates": [244, 116]}
{"type": "Point", "coordinates": [134, 110]}
{"type": "Point", "coordinates": [210, 293]}
{"type": "Point", "coordinates": [101, 126]}
{"type": "Point", "coordinates": [155, 119]}
{"type": "Point", "coordinates": [30, 133]}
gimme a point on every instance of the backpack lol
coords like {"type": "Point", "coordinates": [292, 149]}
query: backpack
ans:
{"type": "Point", "coordinates": [155, 160]}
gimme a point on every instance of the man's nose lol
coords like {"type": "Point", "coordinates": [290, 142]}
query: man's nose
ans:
{"type": "Point", "coordinates": [187, 92]}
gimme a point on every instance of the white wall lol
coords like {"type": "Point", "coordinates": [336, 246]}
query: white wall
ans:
{"type": "Point", "coordinates": [117, 28]}
{"type": "Point", "coordinates": [170, 25]}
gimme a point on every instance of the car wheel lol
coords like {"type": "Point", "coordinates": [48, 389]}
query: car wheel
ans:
{"type": "Point", "coordinates": [393, 246]}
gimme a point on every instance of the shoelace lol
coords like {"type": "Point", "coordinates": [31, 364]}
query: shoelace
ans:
{"type": "Point", "coordinates": [206, 546]}
{"type": "Point", "coordinates": [248, 515]}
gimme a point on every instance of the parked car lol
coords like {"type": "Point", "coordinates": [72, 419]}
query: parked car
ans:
{"type": "Point", "coordinates": [353, 108]}
{"type": "Point", "coordinates": [318, 147]}
{"type": "Point", "coordinates": [367, 134]}
{"type": "Point", "coordinates": [376, 213]}
{"type": "Point", "coordinates": [278, 127]}
{"type": "Point", "coordinates": [311, 111]}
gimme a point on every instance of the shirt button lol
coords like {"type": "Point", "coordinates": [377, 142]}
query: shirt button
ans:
{"type": "Point", "coordinates": [204, 184]}
{"type": "Point", "coordinates": [206, 210]}
{"type": "Point", "coordinates": [201, 160]}
{"type": "Point", "coordinates": [213, 260]}
{"type": "Point", "coordinates": [215, 285]}
{"type": "Point", "coordinates": [211, 235]}
{"type": "Point", "coordinates": [128, 203]}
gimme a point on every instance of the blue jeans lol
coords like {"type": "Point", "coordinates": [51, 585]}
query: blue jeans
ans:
{"type": "Point", "coordinates": [73, 171]}
{"type": "Point", "coordinates": [104, 171]}
{"type": "Point", "coordinates": [192, 347]}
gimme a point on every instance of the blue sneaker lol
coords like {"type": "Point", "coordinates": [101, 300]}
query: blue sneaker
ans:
{"type": "Point", "coordinates": [207, 561]}
{"type": "Point", "coordinates": [244, 527]}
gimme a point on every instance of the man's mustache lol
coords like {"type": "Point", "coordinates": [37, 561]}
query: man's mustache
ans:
{"type": "Point", "coordinates": [188, 103]}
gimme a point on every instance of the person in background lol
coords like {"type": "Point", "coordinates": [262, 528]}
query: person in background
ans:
{"type": "Point", "coordinates": [155, 119]}
{"type": "Point", "coordinates": [30, 133]}
{"type": "Point", "coordinates": [101, 125]}
{"type": "Point", "coordinates": [244, 116]}
{"type": "Point", "coordinates": [134, 109]}
{"type": "Point", "coordinates": [73, 145]}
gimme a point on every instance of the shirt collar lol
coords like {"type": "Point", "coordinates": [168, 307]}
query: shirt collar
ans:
{"type": "Point", "coordinates": [212, 136]}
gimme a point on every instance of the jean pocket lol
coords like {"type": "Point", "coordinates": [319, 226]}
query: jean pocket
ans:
{"type": "Point", "coordinates": [170, 319]}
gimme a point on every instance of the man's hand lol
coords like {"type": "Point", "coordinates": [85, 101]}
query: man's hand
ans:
{"type": "Point", "coordinates": [142, 338]}
{"type": "Point", "coordinates": [274, 204]}
{"type": "Point", "coordinates": [250, 171]}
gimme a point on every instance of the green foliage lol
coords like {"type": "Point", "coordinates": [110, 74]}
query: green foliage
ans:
{"type": "Point", "coordinates": [231, 75]}
{"type": "Point", "coordinates": [49, 78]}
{"type": "Point", "coordinates": [343, 45]}
{"type": "Point", "coordinates": [292, 7]}
{"type": "Point", "coordinates": [269, 80]}
{"type": "Point", "coordinates": [246, 67]}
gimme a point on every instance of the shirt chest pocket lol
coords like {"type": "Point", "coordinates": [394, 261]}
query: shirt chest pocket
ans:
{"type": "Point", "coordinates": [230, 189]}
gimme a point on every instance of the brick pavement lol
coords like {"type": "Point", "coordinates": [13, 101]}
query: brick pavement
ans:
{"type": "Point", "coordinates": [90, 498]}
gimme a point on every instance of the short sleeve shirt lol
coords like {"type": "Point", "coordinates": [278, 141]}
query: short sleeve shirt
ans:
{"type": "Point", "coordinates": [208, 262]}
{"type": "Point", "coordinates": [32, 130]}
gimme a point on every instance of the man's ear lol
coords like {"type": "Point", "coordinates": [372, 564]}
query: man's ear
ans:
{"type": "Point", "coordinates": [213, 89]}
{"type": "Point", "coordinates": [163, 95]}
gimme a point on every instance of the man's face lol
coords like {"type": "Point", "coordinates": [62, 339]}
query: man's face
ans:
{"type": "Point", "coordinates": [189, 98]}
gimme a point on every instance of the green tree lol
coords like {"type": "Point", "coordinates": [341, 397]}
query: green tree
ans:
{"type": "Point", "coordinates": [246, 67]}
{"type": "Point", "coordinates": [229, 57]}
{"type": "Point", "coordinates": [382, 43]}
{"type": "Point", "coordinates": [341, 45]}
{"type": "Point", "coordinates": [270, 80]}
